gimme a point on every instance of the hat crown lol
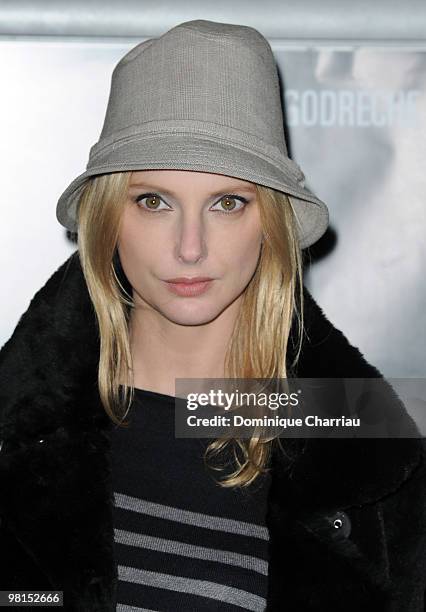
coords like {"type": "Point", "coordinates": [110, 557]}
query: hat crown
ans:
{"type": "Point", "coordinates": [199, 72]}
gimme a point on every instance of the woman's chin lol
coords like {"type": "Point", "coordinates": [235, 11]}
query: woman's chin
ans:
{"type": "Point", "coordinates": [191, 311]}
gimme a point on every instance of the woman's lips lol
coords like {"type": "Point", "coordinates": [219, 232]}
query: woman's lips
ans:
{"type": "Point", "coordinates": [188, 289]}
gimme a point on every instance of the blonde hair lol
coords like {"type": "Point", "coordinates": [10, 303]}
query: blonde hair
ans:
{"type": "Point", "coordinates": [258, 345]}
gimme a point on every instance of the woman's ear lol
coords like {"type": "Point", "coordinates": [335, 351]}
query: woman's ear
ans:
{"type": "Point", "coordinates": [265, 235]}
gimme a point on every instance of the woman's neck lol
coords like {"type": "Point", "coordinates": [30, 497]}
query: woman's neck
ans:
{"type": "Point", "coordinates": [163, 351]}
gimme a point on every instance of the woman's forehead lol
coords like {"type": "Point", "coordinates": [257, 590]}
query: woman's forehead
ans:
{"type": "Point", "coordinates": [180, 178]}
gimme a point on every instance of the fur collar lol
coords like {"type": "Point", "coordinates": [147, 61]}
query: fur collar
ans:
{"type": "Point", "coordinates": [54, 465]}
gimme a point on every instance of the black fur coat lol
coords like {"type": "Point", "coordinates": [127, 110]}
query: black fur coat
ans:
{"type": "Point", "coordinates": [56, 497]}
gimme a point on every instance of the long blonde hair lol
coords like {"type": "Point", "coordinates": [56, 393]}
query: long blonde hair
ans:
{"type": "Point", "coordinates": [258, 345]}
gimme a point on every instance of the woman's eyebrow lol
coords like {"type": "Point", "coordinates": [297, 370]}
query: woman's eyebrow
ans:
{"type": "Point", "coordinates": [228, 189]}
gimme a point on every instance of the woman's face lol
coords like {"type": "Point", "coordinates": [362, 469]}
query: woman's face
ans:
{"type": "Point", "coordinates": [179, 223]}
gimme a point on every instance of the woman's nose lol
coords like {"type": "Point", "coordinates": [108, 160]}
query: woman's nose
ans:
{"type": "Point", "coordinates": [191, 244]}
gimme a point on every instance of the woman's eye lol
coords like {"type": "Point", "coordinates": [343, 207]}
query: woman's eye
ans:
{"type": "Point", "coordinates": [229, 206]}
{"type": "Point", "coordinates": [228, 203]}
{"type": "Point", "coordinates": [152, 202]}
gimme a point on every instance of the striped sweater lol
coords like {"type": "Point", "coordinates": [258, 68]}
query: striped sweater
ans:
{"type": "Point", "coordinates": [182, 542]}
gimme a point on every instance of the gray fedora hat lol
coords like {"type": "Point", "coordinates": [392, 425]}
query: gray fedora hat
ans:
{"type": "Point", "coordinates": [204, 96]}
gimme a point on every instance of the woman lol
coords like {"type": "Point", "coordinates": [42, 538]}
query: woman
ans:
{"type": "Point", "coordinates": [191, 178]}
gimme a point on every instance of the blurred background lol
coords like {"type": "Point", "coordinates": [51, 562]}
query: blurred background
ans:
{"type": "Point", "coordinates": [353, 77]}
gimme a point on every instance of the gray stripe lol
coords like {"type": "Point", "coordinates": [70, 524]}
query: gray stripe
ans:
{"type": "Point", "coordinates": [191, 518]}
{"type": "Point", "coordinates": [203, 588]}
{"type": "Point", "coordinates": [175, 547]}
{"type": "Point", "coordinates": [378, 23]}
{"type": "Point", "coordinates": [124, 608]}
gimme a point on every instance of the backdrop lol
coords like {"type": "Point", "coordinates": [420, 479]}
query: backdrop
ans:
{"type": "Point", "coordinates": [353, 81]}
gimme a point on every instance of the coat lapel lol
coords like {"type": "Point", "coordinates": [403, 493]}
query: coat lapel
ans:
{"type": "Point", "coordinates": [54, 468]}
{"type": "Point", "coordinates": [55, 471]}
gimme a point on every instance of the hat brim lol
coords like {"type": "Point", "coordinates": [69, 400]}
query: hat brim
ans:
{"type": "Point", "coordinates": [183, 152]}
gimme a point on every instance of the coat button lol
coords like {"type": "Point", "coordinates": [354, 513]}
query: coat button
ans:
{"type": "Point", "coordinates": [341, 523]}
